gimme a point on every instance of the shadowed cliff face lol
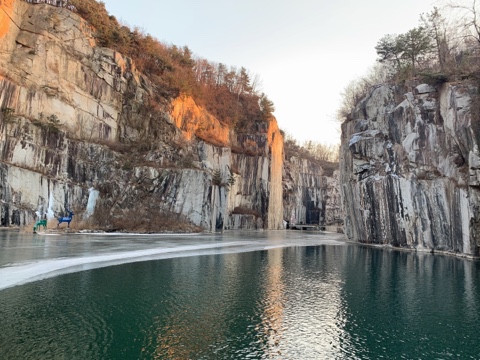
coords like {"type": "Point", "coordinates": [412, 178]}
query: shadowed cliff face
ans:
{"type": "Point", "coordinates": [309, 196]}
{"type": "Point", "coordinates": [409, 169]}
{"type": "Point", "coordinates": [76, 117]}
{"type": "Point", "coordinates": [304, 192]}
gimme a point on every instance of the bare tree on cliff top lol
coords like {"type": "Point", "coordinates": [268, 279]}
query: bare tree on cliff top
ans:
{"type": "Point", "coordinates": [469, 13]}
{"type": "Point", "coordinates": [436, 24]}
{"type": "Point", "coordinates": [356, 89]}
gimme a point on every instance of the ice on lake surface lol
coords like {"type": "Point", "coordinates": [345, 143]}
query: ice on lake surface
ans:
{"type": "Point", "coordinates": [30, 257]}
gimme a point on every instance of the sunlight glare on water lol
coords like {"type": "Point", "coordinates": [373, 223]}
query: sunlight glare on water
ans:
{"type": "Point", "coordinates": [237, 296]}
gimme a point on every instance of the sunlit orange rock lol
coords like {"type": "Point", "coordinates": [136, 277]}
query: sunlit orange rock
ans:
{"type": "Point", "coordinates": [194, 120]}
{"type": "Point", "coordinates": [275, 205]}
{"type": "Point", "coordinates": [6, 10]}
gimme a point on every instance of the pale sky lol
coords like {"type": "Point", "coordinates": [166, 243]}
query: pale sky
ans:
{"type": "Point", "coordinates": [304, 51]}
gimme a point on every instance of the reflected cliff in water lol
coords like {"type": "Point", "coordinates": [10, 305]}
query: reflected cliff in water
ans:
{"type": "Point", "coordinates": [268, 299]}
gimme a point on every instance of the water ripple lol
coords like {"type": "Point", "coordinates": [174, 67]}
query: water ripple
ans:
{"type": "Point", "coordinates": [318, 302]}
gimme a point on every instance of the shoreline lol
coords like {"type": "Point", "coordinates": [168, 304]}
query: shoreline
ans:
{"type": "Point", "coordinates": [66, 231]}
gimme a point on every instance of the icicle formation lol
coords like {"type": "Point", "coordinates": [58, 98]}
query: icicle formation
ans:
{"type": "Point", "coordinates": [92, 201]}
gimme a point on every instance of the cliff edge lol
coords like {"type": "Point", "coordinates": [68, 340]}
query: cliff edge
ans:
{"type": "Point", "coordinates": [409, 168]}
{"type": "Point", "coordinates": [82, 129]}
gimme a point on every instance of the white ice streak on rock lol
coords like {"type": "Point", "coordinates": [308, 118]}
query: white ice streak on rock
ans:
{"type": "Point", "coordinates": [92, 201]}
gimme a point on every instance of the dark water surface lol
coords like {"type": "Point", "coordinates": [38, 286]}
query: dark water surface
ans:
{"type": "Point", "coordinates": [258, 297]}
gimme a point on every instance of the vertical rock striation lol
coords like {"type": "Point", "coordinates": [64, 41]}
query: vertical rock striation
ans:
{"type": "Point", "coordinates": [78, 118]}
{"type": "Point", "coordinates": [304, 192]}
{"type": "Point", "coordinates": [409, 169]}
{"type": "Point", "coordinates": [310, 194]}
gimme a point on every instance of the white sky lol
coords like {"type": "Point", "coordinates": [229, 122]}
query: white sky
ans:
{"type": "Point", "coordinates": [305, 51]}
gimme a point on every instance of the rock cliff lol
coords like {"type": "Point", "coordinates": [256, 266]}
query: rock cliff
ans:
{"type": "Point", "coordinates": [310, 195]}
{"type": "Point", "coordinates": [78, 119]}
{"type": "Point", "coordinates": [409, 168]}
{"type": "Point", "coordinates": [82, 129]}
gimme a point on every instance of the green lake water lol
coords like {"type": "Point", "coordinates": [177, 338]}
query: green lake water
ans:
{"type": "Point", "coordinates": [268, 300]}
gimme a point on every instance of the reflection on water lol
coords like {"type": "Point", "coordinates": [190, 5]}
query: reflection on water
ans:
{"type": "Point", "coordinates": [38, 256]}
{"type": "Point", "coordinates": [271, 327]}
{"type": "Point", "coordinates": [307, 302]}
{"type": "Point", "coordinates": [407, 303]}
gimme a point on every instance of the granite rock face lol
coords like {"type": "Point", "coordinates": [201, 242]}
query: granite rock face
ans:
{"type": "Point", "coordinates": [82, 129]}
{"type": "Point", "coordinates": [310, 195]}
{"type": "Point", "coordinates": [77, 117]}
{"type": "Point", "coordinates": [304, 192]}
{"type": "Point", "coordinates": [409, 168]}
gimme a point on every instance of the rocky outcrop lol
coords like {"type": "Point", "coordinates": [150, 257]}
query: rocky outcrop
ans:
{"type": "Point", "coordinates": [409, 169]}
{"type": "Point", "coordinates": [77, 117]}
{"type": "Point", "coordinates": [310, 195]}
{"type": "Point", "coordinates": [334, 213]}
{"type": "Point", "coordinates": [304, 192]}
